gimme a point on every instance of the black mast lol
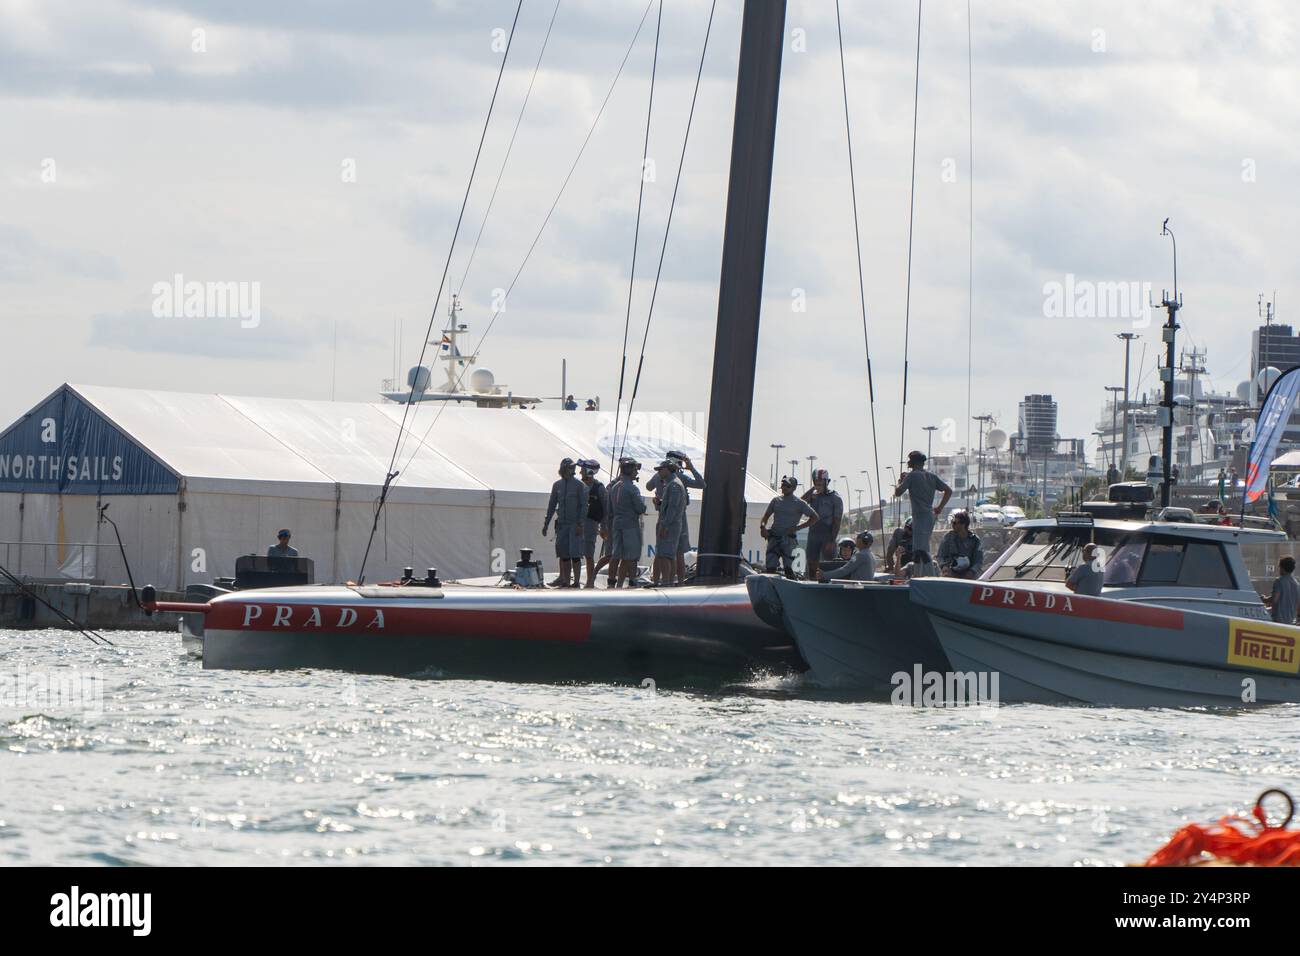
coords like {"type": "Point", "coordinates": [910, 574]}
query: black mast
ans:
{"type": "Point", "coordinates": [740, 289]}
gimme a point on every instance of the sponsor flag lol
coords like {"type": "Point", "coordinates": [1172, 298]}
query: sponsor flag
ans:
{"type": "Point", "coordinates": [1273, 417]}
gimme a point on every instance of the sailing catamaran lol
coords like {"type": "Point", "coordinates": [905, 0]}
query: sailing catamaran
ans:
{"type": "Point", "coordinates": [706, 631]}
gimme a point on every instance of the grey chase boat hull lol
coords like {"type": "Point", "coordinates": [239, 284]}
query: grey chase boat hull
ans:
{"type": "Point", "coordinates": [1049, 647]}
{"type": "Point", "coordinates": [851, 635]}
{"type": "Point", "coordinates": [674, 636]}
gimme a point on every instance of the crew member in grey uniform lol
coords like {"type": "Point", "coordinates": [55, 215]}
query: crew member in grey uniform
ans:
{"type": "Point", "coordinates": [568, 505]}
{"type": "Point", "coordinates": [595, 525]}
{"type": "Point", "coordinates": [961, 555]}
{"type": "Point", "coordinates": [668, 529]}
{"type": "Point", "coordinates": [626, 506]}
{"type": "Point", "coordinates": [859, 562]}
{"type": "Point", "coordinates": [830, 509]}
{"type": "Point", "coordinates": [692, 480]}
{"type": "Point", "coordinates": [785, 510]}
{"type": "Point", "coordinates": [1089, 576]}
{"type": "Point", "coordinates": [281, 548]}
{"type": "Point", "coordinates": [921, 486]}
{"type": "Point", "coordinates": [1284, 599]}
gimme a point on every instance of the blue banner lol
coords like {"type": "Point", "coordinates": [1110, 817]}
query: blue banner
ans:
{"type": "Point", "coordinates": [65, 446]}
{"type": "Point", "coordinates": [1274, 414]}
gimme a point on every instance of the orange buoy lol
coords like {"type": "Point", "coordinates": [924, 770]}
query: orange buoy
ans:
{"type": "Point", "coordinates": [1235, 840]}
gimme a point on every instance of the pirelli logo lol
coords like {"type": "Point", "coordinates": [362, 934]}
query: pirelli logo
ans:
{"type": "Point", "coordinates": [1257, 645]}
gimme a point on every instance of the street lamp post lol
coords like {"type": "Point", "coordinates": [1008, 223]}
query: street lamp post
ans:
{"type": "Point", "coordinates": [812, 463]}
{"type": "Point", "coordinates": [794, 467]}
{"type": "Point", "coordinates": [929, 438]}
{"type": "Point", "coordinates": [776, 464]}
{"type": "Point", "coordinates": [1114, 426]}
{"type": "Point", "coordinates": [979, 460]}
{"type": "Point", "coordinates": [1128, 338]}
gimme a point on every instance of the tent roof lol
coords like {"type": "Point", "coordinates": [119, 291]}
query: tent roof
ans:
{"type": "Point", "coordinates": [225, 442]}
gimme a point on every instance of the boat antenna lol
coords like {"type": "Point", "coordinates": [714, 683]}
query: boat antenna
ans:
{"type": "Point", "coordinates": [103, 517]}
{"type": "Point", "coordinates": [437, 299]}
{"type": "Point", "coordinates": [545, 221]}
{"type": "Point", "coordinates": [1171, 305]}
{"type": "Point", "coordinates": [857, 245]}
{"type": "Point", "coordinates": [911, 222]}
{"type": "Point", "coordinates": [668, 225]}
{"type": "Point", "coordinates": [636, 237]}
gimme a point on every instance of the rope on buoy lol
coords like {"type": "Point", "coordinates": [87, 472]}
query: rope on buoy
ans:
{"type": "Point", "coordinates": [1244, 841]}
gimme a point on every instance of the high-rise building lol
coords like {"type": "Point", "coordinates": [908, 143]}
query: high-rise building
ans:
{"type": "Point", "coordinates": [1037, 434]}
{"type": "Point", "coordinates": [1271, 345]}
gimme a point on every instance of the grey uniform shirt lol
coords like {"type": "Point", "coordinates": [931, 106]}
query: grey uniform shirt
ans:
{"type": "Point", "coordinates": [830, 510]}
{"type": "Point", "coordinates": [568, 504]}
{"type": "Point", "coordinates": [691, 479]}
{"type": "Point", "coordinates": [1286, 599]}
{"type": "Point", "coordinates": [275, 551]}
{"type": "Point", "coordinates": [953, 547]}
{"type": "Point", "coordinates": [626, 505]}
{"type": "Point", "coordinates": [788, 512]}
{"type": "Point", "coordinates": [672, 502]}
{"type": "Point", "coordinates": [860, 567]}
{"type": "Point", "coordinates": [922, 486]}
{"type": "Point", "coordinates": [1086, 580]}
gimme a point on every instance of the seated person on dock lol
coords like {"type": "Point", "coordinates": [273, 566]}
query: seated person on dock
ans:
{"type": "Point", "coordinates": [282, 550]}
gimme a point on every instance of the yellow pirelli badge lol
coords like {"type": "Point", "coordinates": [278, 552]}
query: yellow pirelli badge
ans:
{"type": "Point", "coordinates": [1267, 646]}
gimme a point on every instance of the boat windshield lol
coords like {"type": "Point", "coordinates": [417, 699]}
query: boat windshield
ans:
{"type": "Point", "coordinates": [1047, 554]}
{"type": "Point", "coordinates": [1160, 560]}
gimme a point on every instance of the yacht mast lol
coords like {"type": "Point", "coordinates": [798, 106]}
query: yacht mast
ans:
{"type": "Point", "coordinates": [740, 288]}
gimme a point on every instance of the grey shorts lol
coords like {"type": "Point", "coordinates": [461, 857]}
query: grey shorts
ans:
{"type": "Point", "coordinates": [568, 542]}
{"type": "Point", "coordinates": [779, 549]}
{"type": "Point", "coordinates": [626, 544]}
{"type": "Point", "coordinates": [590, 538]}
{"type": "Point", "coordinates": [820, 544]}
{"type": "Point", "coordinates": [668, 538]}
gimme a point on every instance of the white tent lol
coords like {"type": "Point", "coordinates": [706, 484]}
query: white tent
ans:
{"type": "Point", "coordinates": [195, 480]}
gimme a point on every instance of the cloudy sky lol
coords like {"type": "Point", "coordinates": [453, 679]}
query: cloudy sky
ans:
{"type": "Point", "coordinates": [320, 150]}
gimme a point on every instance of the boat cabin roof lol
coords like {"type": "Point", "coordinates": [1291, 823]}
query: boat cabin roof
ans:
{"type": "Point", "coordinates": [1178, 529]}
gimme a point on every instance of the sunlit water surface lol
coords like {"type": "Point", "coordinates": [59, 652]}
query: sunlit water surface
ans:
{"type": "Point", "coordinates": [186, 766]}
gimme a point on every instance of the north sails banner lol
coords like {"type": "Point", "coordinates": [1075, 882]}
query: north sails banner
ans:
{"type": "Point", "coordinates": [65, 446]}
{"type": "Point", "coordinates": [1274, 415]}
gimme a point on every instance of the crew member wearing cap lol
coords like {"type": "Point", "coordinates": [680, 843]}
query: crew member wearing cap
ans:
{"type": "Point", "coordinates": [568, 506]}
{"type": "Point", "coordinates": [626, 506]}
{"type": "Point", "coordinates": [595, 525]}
{"type": "Point", "coordinates": [671, 494]}
{"type": "Point", "coordinates": [282, 549]}
{"type": "Point", "coordinates": [960, 553]}
{"type": "Point", "coordinates": [690, 478]}
{"type": "Point", "coordinates": [785, 511]}
{"type": "Point", "coordinates": [859, 562]}
{"type": "Point", "coordinates": [921, 486]}
{"type": "Point", "coordinates": [1089, 576]}
{"type": "Point", "coordinates": [830, 510]}
{"type": "Point", "coordinates": [899, 551]}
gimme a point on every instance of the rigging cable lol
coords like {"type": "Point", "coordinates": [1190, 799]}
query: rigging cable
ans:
{"type": "Point", "coordinates": [672, 205]}
{"type": "Point", "coordinates": [970, 237]}
{"type": "Point", "coordinates": [636, 237]}
{"type": "Point", "coordinates": [563, 186]}
{"type": "Point", "coordinates": [857, 242]}
{"type": "Point", "coordinates": [410, 399]}
{"type": "Point", "coordinates": [509, 147]}
{"type": "Point", "coordinates": [911, 221]}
